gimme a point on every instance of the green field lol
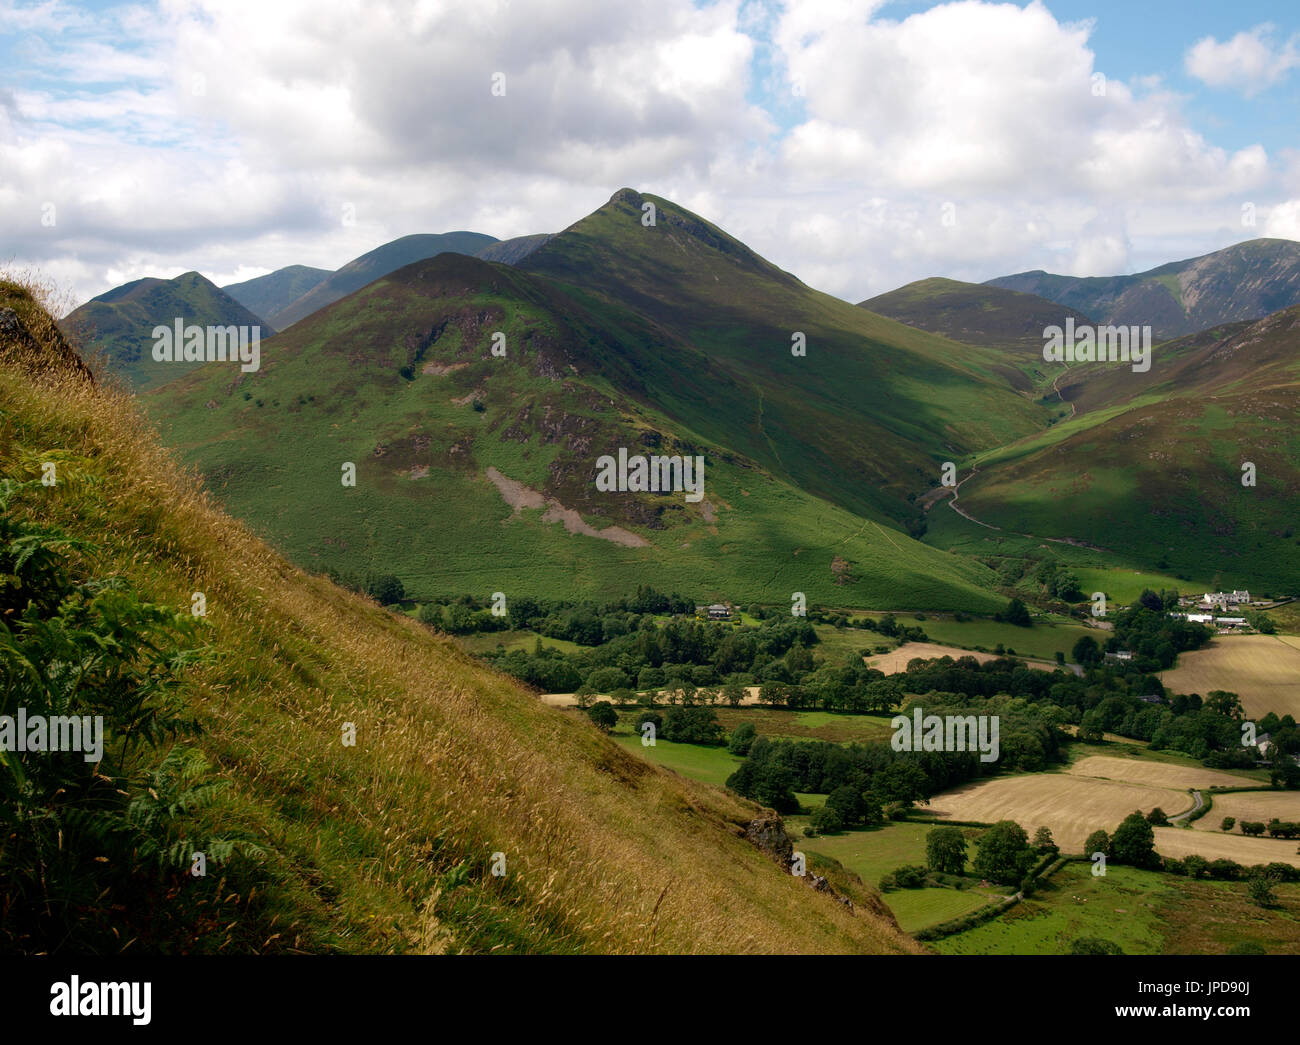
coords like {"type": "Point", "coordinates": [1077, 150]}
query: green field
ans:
{"type": "Point", "coordinates": [511, 640]}
{"type": "Point", "coordinates": [916, 909]}
{"type": "Point", "coordinates": [1144, 912]}
{"type": "Point", "coordinates": [1042, 641]}
{"type": "Point", "coordinates": [808, 725]}
{"type": "Point", "coordinates": [710, 764]}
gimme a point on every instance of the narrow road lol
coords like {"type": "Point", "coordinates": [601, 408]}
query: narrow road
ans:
{"type": "Point", "coordinates": [1200, 803]}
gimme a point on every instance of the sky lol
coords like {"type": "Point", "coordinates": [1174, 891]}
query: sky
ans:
{"type": "Point", "coordinates": [859, 145]}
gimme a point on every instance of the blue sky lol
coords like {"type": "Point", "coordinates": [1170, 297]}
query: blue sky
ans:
{"type": "Point", "coordinates": [228, 137]}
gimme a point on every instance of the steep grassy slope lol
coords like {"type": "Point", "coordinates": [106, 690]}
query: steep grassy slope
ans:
{"type": "Point", "coordinates": [1153, 466]}
{"type": "Point", "coordinates": [1246, 281]}
{"type": "Point", "coordinates": [386, 845]}
{"type": "Point", "coordinates": [400, 379]}
{"type": "Point", "coordinates": [863, 420]}
{"type": "Point", "coordinates": [386, 258]}
{"type": "Point", "coordinates": [120, 323]}
{"type": "Point", "coordinates": [275, 291]}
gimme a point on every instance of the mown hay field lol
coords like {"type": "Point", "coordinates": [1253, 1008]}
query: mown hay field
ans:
{"type": "Point", "coordinates": [1251, 805]}
{"type": "Point", "coordinates": [1095, 793]}
{"type": "Point", "coordinates": [1263, 670]}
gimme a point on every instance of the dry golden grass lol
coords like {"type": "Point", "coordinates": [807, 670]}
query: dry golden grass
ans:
{"type": "Point", "coordinates": [1176, 842]}
{"type": "Point", "coordinates": [1072, 807]}
{"type": "Point", "coordinates": [1155, 774]}
{"type": "Point", "coordinates": [1095, 793]}
{"type": "Point", "coordinates": [897, 660]}
{"type": "Point", "coordinates": [1251, 805]}
{"type": "Point", "coordinates": [452, 762]}
{"type": "Point", "coordinates": [1263, 670]}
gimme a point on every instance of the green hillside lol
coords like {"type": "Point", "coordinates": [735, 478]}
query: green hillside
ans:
{"type": "Point", "coordinates": [118, 325]}
{"type": "Point", "coordinates": [385, 842]}
{"type": "Point", "coordinates": [400, 380]}
{"type": "Point", "coordinates": [1151, 467]}
{"type": "Point", "coordinates": [864, 419]}
{"type": "Point", "coordinates": [978, 314]}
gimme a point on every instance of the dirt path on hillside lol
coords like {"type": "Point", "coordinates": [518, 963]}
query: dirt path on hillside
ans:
{"type": "Point", "coordinates": [952, 493]}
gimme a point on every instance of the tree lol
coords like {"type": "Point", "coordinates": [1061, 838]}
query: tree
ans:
{"type": "Point", "coordinates": [1229, 822]}
{"type": "Point", "coordinates": [1261, 891]}
{"type": "Point", "coordinates": [742, 739]}
{"type": "Point", "coordinates": [1098, 842]}
{"type": "Point", "coordinates": [1086, 651]}
{"type": "Point", "coordinates": [1017, 613]}
{"type": "Point", "coordinates": [826, 821]}
{"type": "Point", "coordinates": [1157, 818]}
{"type": "Point", "coordinates": [1134, 842]}
{"type": "Point", "coordinates": [733, 691]}
{"type": "Point", "coordinates": [846, 800]}
{"type": "Point", "coordinates": [775, 788]}
{"type": "Point", "coordinates": [602, 713]}
{"type": "Point", "coordinates": [945, 850]}
{"type": "Point", "coordinates": [1044, 842]}
{"type": "Point", "coordinates": [385, 589]}
{"type": "Point", "coordinates": [1003, 854]}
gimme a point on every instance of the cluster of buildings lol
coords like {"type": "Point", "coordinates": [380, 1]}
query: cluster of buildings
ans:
{"type": "Point", "coordinates": [1217, 600]}
{"type": "Point", "coordinates": [1206, 606]}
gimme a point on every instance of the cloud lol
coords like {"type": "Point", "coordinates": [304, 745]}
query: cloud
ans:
{"type": "Point", "coordinates": [1283, 221]}
{"type": "Point", "coordinates": [1250, 62]}
{"type": "Point", "coordinates": [969, 139]}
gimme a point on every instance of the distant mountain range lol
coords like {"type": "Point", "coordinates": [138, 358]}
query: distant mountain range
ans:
{"type": "Point", "coordinates": [1245, 281]}
{"type": "Point", "coordinates": [372, 265]}
{"type": "Point", "coordinates": [824, 425]}
{"type": "Point", "coordinates": [477, 469]}
{"type": "Point", "coordinates": [979, 314]}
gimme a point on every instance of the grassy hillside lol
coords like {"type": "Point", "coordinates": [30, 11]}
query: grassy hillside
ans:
{"type": "Point", "coordinates": [400, 379]}
{"type": "Point", "coordinates": [864, 419]}
{"type": "Point", "coordinates": [386, 258]}
{"type": "Point", "coordinates": [119, 324]}
{"type": "Point", "coordinates": [1246, 281]}
{"type": "Point", "coordinates": [386, 844]}
{"type": "Point", "coordinates": [979, 314]}
{"type": "Point", "coordinates": [268, 294]}
{"type": "Point", "coordinates": [1157, 476]}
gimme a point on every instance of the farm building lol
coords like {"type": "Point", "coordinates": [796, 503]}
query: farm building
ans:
{"type": "Point", "coordinates": [715, 612]}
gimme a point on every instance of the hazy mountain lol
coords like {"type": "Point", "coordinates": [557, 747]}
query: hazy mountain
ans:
{"type": "Point", "coordinates": [379, 262]}
{"type": "Point", "coordinates": [120, 322]}
{"type": "Point", "coordinates": [513, 251]}
{"type": "Point", "coordinates": [275, 291]}
{"type": "Point", "coordinates": [1245, 281]}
